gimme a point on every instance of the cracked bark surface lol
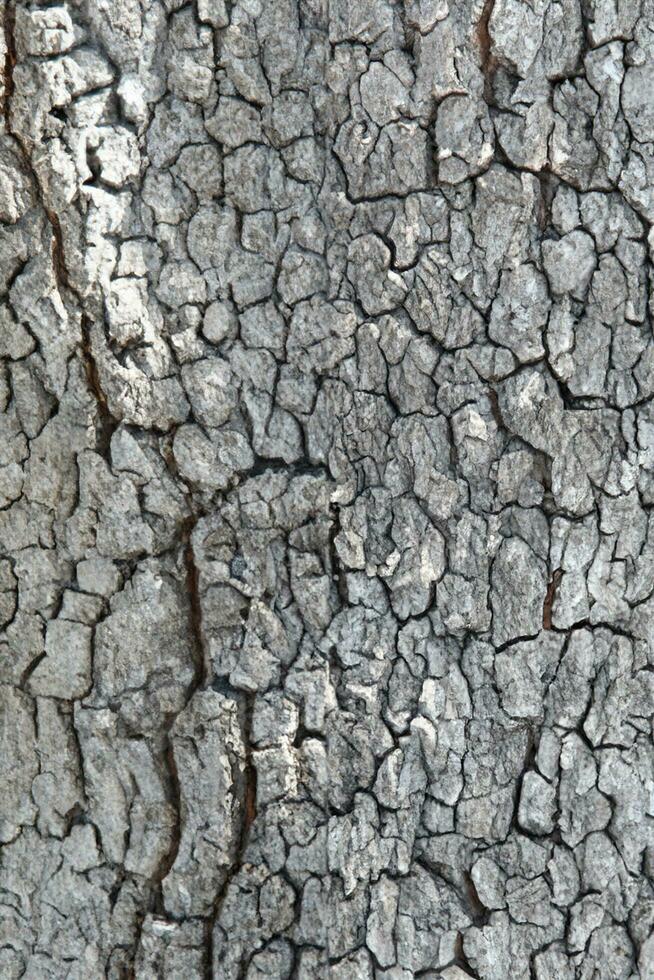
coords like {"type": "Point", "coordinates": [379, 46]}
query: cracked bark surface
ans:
{"type": "Point", "coordinates": [326, 486]}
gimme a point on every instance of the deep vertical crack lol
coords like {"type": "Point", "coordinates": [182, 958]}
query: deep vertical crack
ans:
{"type": "Point", "coordinates": [487, 60]}
{"type": "Point", "coordinates": [550, 596]}
{"type": "Point", "coordinates": [9, 18]}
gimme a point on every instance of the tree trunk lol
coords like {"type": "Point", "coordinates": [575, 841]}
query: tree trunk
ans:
{"type": "Point", "coordinates": [326, 483]}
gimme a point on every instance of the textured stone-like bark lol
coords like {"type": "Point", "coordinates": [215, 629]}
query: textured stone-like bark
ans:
{"type": "Point", "coordinates": [326, 487]}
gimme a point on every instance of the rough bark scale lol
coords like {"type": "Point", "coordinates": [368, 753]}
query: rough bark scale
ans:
{"type": "Point", "coordinates": [326, 485]}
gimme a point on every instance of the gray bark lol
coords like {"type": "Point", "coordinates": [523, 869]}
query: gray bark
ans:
{"type": "Point", "coordinates": [326, 486]}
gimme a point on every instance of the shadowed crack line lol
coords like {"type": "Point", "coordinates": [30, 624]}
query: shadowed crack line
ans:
{"type": "Point", "coordinates": [550, 596]}
{"type": "Point", "coordinates": [488, 62]}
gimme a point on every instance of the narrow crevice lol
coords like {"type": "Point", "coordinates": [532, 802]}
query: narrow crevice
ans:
{"type": "Point", "coordinates": [550, 596]}
{"type": "Point", "coordinates": [461, 960]}
{"type": "Point", "coordinates": [480, 914]}
{"type": "Point", "coordinates": [58, 256]}
{"type": "Point", "coordinates": [175, 800]}
{"type": "Point", "coordinates": [106, 424]}
{"type": "Point", "coordinates": [195, 605]}
{"type": "Point", "coordinates": [10, 62]}
{"type": "Point", "coordinates": [487, 61]}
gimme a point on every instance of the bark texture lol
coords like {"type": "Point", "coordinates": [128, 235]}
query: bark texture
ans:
{"type": "Point", "coordinates": [326, 490]}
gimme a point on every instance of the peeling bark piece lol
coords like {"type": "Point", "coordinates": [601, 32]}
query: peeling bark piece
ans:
{"type": "Point", "coordinates": [168, 949]}
{"type": "Point", "coordinates": [464, 137]}
{"type": "Point", "coordinates": [537, 805]}
{"type": "Point", "coordinates": [569, 263]}
{"type": "Point", "coordinates": [20, 762]}
{"type": "Point", "coordinates": [520, 313]}
{"type": "Point", "coordinates": [437, 304]}
{"type": "Point", "coordinates": [149, 676]}
{"type": "Point", "coordinates": [518, 586]}
{"type": "Point", "coordinates": [390, 160]}
{"type": "Point", "coordinates": [65, 672]}
{"type": "Point", "coordinates": [127, 794]}
{"type": "Point", "coordinates": [379, 290]}
{"type": "Point", "coordinates": [430, 915]}
{"type": "Point", "coordinates": [523, 673]}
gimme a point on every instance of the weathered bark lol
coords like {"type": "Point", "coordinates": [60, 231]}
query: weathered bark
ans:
{"type": "Point", "coordinates": [326, 483]}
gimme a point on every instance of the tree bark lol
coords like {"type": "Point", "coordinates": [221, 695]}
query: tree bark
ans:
{"type": "Point", "coordinates": [326, 485]}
